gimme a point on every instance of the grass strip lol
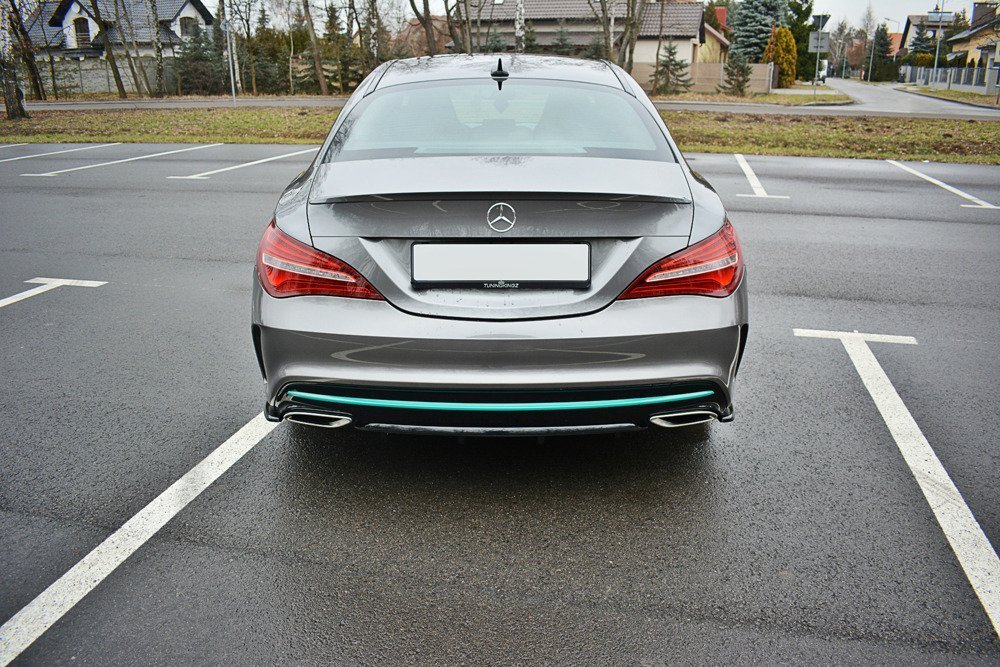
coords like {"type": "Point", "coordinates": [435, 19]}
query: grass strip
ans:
{"type": "Point", "coordinates": [944, 140]}
{"type": "Point", "coordinates": [976, 99]}
{"type": "Point", "coordinates": [872, 137]}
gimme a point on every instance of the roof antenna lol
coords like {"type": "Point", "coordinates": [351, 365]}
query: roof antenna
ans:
{"type": "Point", "coordinates": [499, 74]}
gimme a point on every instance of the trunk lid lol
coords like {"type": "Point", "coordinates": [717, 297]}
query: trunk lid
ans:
{"type": "Point", "coordinates": [370, 213]}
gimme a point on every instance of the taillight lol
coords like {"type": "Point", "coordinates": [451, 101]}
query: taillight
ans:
{"type": "Point", "coordinates": [291, 268]}
{"type": "Point", "coordinates": [712, 267]}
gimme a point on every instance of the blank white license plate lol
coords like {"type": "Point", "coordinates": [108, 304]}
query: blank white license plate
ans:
{"type": "Point", "coordinates": [501, 265]}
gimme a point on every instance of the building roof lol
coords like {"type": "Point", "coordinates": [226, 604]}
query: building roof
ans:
{"type": "Point", "coordinates": [138, 10]}
{"type": "Point", "coordinates": [37, 24]}
{"type": "Point", "coordinates": [987, 23]}
{"type": "Point", "coordinates": [681, 18]}
{"type": "Point", "coordinates": [895, 42]}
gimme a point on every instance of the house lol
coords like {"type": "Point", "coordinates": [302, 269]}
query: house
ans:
{"type": "Point", "coordinates": [979, 43]}
{"type": "Point", "coordinates": [683, 26]}
{"type": "Point", "coordinates": [895, 44]}
{"type": "Point", "coordinates": [933, 29]}
{"type": "Point", "coordinates": [67, 29]}
{"type": "Point", "coordinates": [411, 40]}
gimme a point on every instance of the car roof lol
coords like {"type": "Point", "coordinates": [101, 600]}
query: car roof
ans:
{"type": "Point", "coordinates": [520, 66]}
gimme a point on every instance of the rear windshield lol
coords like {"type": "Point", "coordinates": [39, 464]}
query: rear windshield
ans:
{"type": "Point", "coordinates": [468, 117]}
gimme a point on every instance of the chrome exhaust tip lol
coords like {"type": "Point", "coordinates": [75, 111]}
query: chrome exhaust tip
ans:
{"type": "Point", "coordinates": [322, 420]}
{"type": "Point", "coordinates": [677, 419]}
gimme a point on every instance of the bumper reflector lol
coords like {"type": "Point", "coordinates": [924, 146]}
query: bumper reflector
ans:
{"type": "Point", "coordinates": [500, 407]}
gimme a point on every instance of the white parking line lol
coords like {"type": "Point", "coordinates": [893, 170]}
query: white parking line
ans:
{"type": "Point", "coordinates": [973, 549]}
{"type": "Point", "coordinates": [12, 145]}
{"type": "Point", "coordinates": [128, 159]}
{"type": "Point", "coordinates": [68, 150]}
{"type": "Point", "coordinates": [976, 201]}
{"type": "Point", "coordinates": [755, 184]}
{"type": "Point", "coordinates": [40, 614]}
{"type": "Point", "coordinates": [45, 285]}
{"type": "Point", "coordinates": [206, 174]}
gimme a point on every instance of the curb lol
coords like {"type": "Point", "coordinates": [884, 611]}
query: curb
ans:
{"type": "Point", "coordinates": [945, 99]}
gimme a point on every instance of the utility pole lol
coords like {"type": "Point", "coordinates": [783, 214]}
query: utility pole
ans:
{"type": "Point", "coordinates": [937, 33]}
{"type": "Point", "coordinates": [227, 30]}
{"type": "Point", "coordinates": [871, 63]}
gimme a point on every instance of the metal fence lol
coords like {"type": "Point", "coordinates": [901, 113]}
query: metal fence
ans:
{"type": "Point", "coordinates": [968, 79]}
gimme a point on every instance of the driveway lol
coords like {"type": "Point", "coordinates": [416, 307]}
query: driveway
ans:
{"type": "Point", "coordinates": [884, 98]}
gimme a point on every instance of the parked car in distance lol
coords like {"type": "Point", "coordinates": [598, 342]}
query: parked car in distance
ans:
{"type": "Point", "coordinates": [503, 245]}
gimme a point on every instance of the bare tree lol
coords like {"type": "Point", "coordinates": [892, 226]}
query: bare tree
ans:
{"type": "Point", "coordinates": [109, 52]}
{"type": "Point", "coordinates": [244, 12]}
{"type": "Point", "coordinates": [604, 12]}
{"type": "Point", "coordinates": [518, 26]}
{"type": "Point", "coordinates": [427, 23]}
{"type": "Point", "coordinates": [27, 49]}
{"type": "Point", "coordinates": [317, 57]}
{"type": "Point", "coordinates": [48, 54]}
{"type": "Point", "coordinates": [868, 24]}
{"type": "Point", "coordinates": [12, 96]}
{"type": "Point", "coordinates": [285, 10]}
{"type": "Point", "coordinates": [840, 40]}
{"type": "Point", "coordinates": [634, 11]}
{"type": "Point", "coordinates": [659, 47]}
{"type": "Point", "coordinates": [127, 30]}
{"type": "Point", "coordinates": [154, 36]}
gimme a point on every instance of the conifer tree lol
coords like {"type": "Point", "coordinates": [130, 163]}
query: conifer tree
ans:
{"type": "Point", "coordinates": [737, 72]}
{"type": "Point", "coordinates": [562, 45]}
{"type": "Point", "coordinates": [530, 38]}
{"type": "Point", "coordinates": [783, 54]}
{"type": "Point", "coordinates": [672, 72]}
{"type": "Point", "coordinates": [753, 23]}
{"type": "Point", "coordinates": [921, 40]}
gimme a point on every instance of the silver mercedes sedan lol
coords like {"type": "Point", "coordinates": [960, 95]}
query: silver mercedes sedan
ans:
{"type": "Point", "coordinates": [499, 246]}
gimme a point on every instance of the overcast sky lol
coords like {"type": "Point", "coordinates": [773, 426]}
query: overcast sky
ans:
{"type": "Point", "coordinates": [892, 9]}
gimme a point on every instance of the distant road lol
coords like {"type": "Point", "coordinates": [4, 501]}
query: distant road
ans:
{"type": "Point", "coordinates": [872, 100]}
{"type": "Point", "coordinates": [883, 97]}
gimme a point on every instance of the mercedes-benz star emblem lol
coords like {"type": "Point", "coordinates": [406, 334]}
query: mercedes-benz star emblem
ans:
{"type": "Point", "coordinates": [501, 217]}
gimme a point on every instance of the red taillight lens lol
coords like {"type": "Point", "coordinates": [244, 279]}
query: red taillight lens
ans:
{"type": "Point", "coordinates": [291, 268]}
{"type": "Point", "coordinates": [712, 267]}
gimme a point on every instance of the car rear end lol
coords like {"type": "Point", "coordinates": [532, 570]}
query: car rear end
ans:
{"type": "Point", "coordinates": [531, 258]}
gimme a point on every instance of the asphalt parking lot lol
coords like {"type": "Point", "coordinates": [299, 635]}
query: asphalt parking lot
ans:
{"type": "Point", "coordinates": [800, 532]}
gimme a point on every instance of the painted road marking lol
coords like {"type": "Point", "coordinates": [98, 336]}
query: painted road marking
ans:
{"type": "Point", "coordinates": [68, 150]}
{"type": "Point", "coordinates": [755, 184]}
{"type": "Point", "coordinates": [976, 201]}
{"type": "Point", "coordinates": [47, 284]}
{"type": "Point", "coordinates": [204, 175]}
{"type": "Point", "coordinates": [973, 549]}
{"type": "Point", "coordinates": [40, 614]}
{"type": "Point", "coordinates": [128, 159]}
{"type": "Point", "coordinates": [12, 145]}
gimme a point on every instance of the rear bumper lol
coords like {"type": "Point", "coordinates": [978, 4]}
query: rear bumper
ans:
{"type": "Point", "coordinates": [392, 371]}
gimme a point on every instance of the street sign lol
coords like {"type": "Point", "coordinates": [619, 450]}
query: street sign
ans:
{"type": "Point", "coordinates": [819, 42]}
{"type": "Point", "coordinates": [820, 20]}
{"type": "Point", "coordinates": [224, 25]}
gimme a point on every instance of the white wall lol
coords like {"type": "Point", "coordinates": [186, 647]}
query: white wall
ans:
{"type": "Point", "coordinates": [187, 10]}
{"type": "Point", "coordinates": [76, 11]}
{"type": "Point", "coordinates": [645, 50]}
